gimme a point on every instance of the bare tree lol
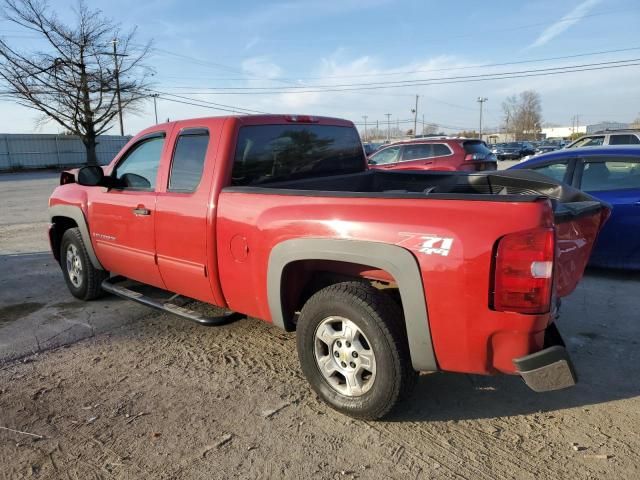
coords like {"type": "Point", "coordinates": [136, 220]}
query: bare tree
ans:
{"type": "Point", "coordinates": [523, 115]}
{"type": "Point", "coordinates": [431, 129]}
{"type": "Point", "coordinates": [79, 79]}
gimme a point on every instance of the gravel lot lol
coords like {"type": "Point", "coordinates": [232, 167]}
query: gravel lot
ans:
{"type": "Point", "coordinates": [119, 391]}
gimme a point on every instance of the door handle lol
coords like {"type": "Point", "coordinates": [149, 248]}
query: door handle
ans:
{"type": "Point", "coordinates": [140, 211]}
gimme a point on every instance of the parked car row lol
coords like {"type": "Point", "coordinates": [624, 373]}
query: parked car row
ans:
{"type": "Point", "coordinates": [595, 163]}
{"type": "Point", "coordinates": [513, 150]}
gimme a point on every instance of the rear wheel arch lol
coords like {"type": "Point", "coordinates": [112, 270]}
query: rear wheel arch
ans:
{"type": "Point", "coordinates": [398, 262]}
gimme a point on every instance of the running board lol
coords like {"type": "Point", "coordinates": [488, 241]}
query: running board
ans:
{"type": "Point", "coordinates": [111, 285]}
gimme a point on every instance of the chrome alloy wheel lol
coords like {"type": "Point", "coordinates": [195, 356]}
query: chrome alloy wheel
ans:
{"type": "Point", "coordinates": [74, 266]}
{"type": "Point", "coordinates": [344, 356]}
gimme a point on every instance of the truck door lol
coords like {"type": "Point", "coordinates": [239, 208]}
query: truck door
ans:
{"type": "Point", "coordinates": [122, 220]}
{"type": "Point", "coordinates": [183, 208]}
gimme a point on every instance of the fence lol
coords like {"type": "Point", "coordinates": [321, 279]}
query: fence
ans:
{"type": "Point", "coordinates": [24, 151]}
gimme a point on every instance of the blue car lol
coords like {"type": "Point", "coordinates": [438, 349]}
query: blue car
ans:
{"type": "Point", "coordinates": [611, 174]}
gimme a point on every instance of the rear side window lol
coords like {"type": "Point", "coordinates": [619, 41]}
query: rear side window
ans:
{"type": "Point", "coordinates": [611, 175]}
{"type": "Point", "coordinates": [629, 139]}
{"type": "Point", "coordinates": [413, 152]}
{"type": "Point", "coordinates": [479, 147]}
{"type": "Point", "coordinates": [267, 153]}
{"type": "Point", "coordinates": [440, 150]}
{"type": "Point", "coordinates": [188, 160]}
{"type": "Point", "coordinates": [557, 171]}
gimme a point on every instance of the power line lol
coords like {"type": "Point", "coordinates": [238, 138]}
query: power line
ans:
{"type": "Point", "coordinates": [222, 105]}
{"type": "Point", "coordinates": [409, 72]}
{"type": "Point", "coordinates": [423, 82]}
{"type": "Point", "coordinates": [419, 81]}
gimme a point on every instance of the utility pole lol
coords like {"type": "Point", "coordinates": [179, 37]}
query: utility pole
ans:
{"type": "Point", "coordinates": [365, 126]}
{"type": "Point", "coordinates": [155, 106]}
{"type": "Point", "coordinates": [415, 118]}
{"type": "Point", "coordinates": [388, 115]}
{"type": "Point", "coordinates": [481, 101]}
{"type": "Point", "coordinates": [117, 75]}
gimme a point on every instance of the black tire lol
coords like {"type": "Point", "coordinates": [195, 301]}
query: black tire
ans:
{"type": "Point", "coordinates": [380, 320]}
{"type": "Point", "coordinates": [86, 286]}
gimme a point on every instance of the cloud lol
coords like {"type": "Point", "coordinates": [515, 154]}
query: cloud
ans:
{"type": "Point", "coordinates": [566, 22]}
{"type": "Point", "coordinates": [261, 67]}
{"type": "Point", "coordinates": [252, 43]}
{"type": "Point", "coordinates": [452, 105]}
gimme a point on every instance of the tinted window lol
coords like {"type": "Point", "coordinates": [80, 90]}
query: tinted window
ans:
{"type": "Point", "coordinates": [387, 155]}
{"type": "Point", "coordinates": [188, 160]}
{"type": "Point", "coordinates": [609, 175]}
{"type": "Point", "coordinates": [413, 152]}
{"type": "Point", "coordinates": [440, 149]}
{"type": "Point", "coordinates": [556, 171]}
{"type": "Point", "coordinates": [140, 166]}
{"type": "Point", "coordinates": [623, 140]}
{"type": "Point", "coordinates": [266, 153]}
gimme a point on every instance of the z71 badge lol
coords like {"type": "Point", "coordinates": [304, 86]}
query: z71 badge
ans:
{"type": "Point", "coordinates": [428, 244]}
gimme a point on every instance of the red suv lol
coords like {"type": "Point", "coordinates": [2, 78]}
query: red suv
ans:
{"type": "Point", "coordinates": [435, 154]}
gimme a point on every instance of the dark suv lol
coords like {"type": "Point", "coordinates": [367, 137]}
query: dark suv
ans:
{"type": "Point", "coordinates": [435, 154]}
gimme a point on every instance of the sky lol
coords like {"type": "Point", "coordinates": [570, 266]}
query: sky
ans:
{"type": "Point", "coordinates": [300, 52]}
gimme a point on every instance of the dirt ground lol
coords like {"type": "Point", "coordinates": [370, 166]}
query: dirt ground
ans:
{"type": "Point", "coordinates": [159, 397]}
{"type": "Point", "coordinates": [162, 398]}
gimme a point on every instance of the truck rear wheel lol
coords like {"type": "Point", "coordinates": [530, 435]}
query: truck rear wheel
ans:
{"type": "Point", "coordinates": [83, 279]}
{"type": "Point", "coordinates": [353, 349]}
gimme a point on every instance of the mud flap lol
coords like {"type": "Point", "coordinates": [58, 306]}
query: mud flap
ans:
{"type": "Point", "coordinates": [550, 368]}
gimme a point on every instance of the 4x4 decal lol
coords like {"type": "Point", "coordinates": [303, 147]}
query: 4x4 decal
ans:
{"type": "Point", "coordinates": [427, 243]}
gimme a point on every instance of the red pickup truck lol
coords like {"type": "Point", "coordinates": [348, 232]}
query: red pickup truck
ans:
{"type": "Point", "coordinates": [381, 274]}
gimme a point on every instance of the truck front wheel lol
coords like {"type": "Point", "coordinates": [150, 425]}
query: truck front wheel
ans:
{"type": "Point", "coordinates": [353, 349]}
{"type": "Point", "coordinates": [83, 279]}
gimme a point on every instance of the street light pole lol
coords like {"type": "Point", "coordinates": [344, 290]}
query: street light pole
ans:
{"type": "Point", "coordinates": [415, 118]}
{"type": "Point", "coordinates": [117, 75]}
{"type": "Point", "coordinates": [155, 106]}
{"type": "Point", "coordinates": [365, 126]}
{"type": "Point", "coordinates": [388, 115]}
{"type": "Point", "coordinates": [481, 101]}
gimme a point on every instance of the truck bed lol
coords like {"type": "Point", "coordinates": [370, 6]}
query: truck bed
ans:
{"type": "Point", "coordinates": [497, 186]}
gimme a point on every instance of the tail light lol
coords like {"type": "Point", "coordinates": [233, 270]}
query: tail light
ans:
{"type": "Point", "coordinates": [524, 271]}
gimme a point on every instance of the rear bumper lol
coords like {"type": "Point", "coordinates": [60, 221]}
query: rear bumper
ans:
{"type": "Point", "coordinates": [550, 368]}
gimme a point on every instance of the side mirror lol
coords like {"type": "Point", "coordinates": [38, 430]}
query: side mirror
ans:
{"type": "Point", "coordinates": [135, 181]}
{"type": "Point", "coordinates": [91, 176]}
{"type": "Point", "coordinates": [372, 162]}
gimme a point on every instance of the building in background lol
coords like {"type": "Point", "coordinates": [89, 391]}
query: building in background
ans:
{"type": "Point", "coordinates": [25, 151]}
{"type": "Point", "coordinates": [563, 132]}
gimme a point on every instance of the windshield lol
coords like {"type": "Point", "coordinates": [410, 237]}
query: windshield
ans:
{"type": "Point", "coordinates": [267, 153]}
